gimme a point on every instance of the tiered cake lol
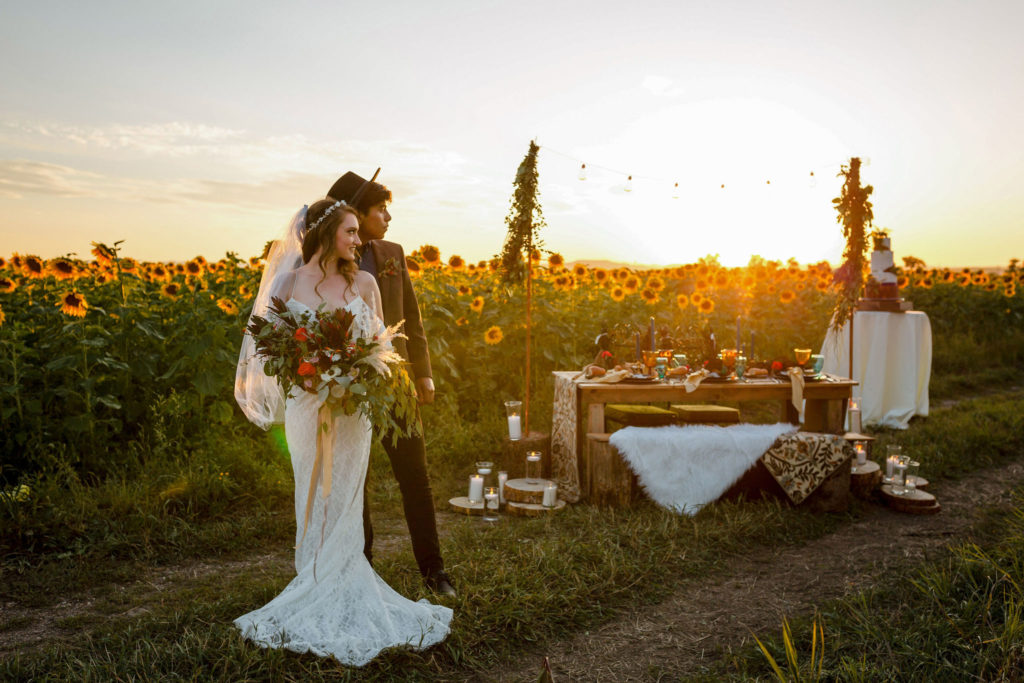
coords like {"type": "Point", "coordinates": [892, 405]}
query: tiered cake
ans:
{"type": "Point", "coordinates": [882, 292]}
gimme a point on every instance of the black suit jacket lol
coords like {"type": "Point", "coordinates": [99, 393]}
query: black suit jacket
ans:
{"type": "Point", "coordinates": [398, 299]}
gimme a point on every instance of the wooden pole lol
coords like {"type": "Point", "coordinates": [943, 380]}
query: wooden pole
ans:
{"type": "Point", "coordinates": [529, 301]}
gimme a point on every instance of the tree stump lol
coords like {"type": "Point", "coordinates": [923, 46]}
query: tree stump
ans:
{"type": "Point", "coordinates": [531, 509]}
{"type": "Point", "coordinates": [513, 454]}
{"type": "Point", "coordinates": [865, 478]}
{"type": "Point", "coordinates": [522, 491]}
{"type": "Point", "coordinates": [913, 502]}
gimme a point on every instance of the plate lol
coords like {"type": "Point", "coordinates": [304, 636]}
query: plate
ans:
{"type": "Point", "coordinates": [717, 380]}
{"type": "Point", "coordinates": [639, 379]}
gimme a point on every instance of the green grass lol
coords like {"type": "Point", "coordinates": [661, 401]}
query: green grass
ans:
{"type": "Point", "coordinates": [959, 618]}
{"type": "Point", "coordinates": [522, 583]}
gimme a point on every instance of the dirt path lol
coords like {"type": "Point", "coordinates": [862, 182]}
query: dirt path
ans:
{"type": "Point", "coordinates": [704, 619]}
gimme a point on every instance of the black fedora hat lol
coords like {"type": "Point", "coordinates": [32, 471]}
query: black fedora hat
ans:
{"type": "Point", "coordinates": [351, 188]}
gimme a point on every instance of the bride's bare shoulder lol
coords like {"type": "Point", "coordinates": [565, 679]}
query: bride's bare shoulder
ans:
{"type": "Point", "coordinates": [365, 280]}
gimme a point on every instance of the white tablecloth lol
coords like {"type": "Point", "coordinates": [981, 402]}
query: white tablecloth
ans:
{"type": "Point", "coordinates": [892, 361]}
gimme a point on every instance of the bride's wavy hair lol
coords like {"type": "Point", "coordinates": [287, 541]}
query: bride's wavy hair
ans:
{"type": "Point", "coordinates": [323, 237]}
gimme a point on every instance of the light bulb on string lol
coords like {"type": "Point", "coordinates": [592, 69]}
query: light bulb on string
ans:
{"type": "Point", "coordinates": [583, 172]}
{"type": "Point", "coordinates": [813, 182]}
{"type": "Point", "coordinates": [629, 184]}
{"type": "Point", "coordinates": [675, 191]}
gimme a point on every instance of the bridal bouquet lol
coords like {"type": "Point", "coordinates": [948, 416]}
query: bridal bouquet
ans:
{"type": "Point", "coordinates": [316, 352]}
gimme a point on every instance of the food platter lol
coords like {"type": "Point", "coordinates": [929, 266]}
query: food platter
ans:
{"type": "Point", "coordinates": [639, 379]}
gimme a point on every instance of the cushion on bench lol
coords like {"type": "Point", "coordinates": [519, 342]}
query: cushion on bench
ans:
{"type": "Point", "coordinates": [619, 415]}
{"type": "Point", "coordinates": [705, 414]}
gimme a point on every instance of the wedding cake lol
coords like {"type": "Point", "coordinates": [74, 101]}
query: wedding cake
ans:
{"type": "Point", "coordinates": [883, 281]}
{"type": "Point", "coordinates": [882, 292]}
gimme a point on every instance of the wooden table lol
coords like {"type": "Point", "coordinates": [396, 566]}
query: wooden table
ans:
{"type": "Point", "coordinates": [824, 408]}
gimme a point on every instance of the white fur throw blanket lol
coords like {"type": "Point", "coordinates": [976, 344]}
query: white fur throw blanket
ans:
{"type": "Point", "coordinates": [683, 468]}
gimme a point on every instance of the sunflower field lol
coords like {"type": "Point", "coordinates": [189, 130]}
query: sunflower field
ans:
{"type": "Point", "coordinates": [93, 351]}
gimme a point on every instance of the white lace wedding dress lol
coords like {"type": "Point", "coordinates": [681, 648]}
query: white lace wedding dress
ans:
{"type": "Point", "coordinates": [337, 605]}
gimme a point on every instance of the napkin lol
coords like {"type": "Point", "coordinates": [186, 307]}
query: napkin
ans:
{"type": "Point", "coordinates": [694, 379]}
{"type": "Point", "coordinates": [796, 381]}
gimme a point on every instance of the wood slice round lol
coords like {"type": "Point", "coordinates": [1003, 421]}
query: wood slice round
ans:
{"type": "Point", "coordinates": [522, 491]}
{"type": "Point", "coordinates": [921, 482]}
{"type": "Point", "coordinates": [864, 478]}
{"type": "Point", "coordinates": [463, 505]}
{"type": "Point", "coordinates": [531, 509]}
{"type": "Point", "coordinates": [913, 502]}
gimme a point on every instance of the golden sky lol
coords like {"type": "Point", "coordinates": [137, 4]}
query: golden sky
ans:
{"type": "Point", "coordinates": [199, 128]}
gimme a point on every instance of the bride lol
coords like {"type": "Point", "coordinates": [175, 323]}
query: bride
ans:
{"type": "Point", "coordinates": [336, 605]}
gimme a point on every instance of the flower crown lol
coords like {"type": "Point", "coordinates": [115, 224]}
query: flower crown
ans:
{"type": "Point", "coordinates": [328, 212]}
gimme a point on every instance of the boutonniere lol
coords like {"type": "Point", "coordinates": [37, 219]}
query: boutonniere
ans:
{"type": "Point", "coordinates": [390, 268]}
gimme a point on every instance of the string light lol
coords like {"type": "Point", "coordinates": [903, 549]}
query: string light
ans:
{"type": "Point", "coordinates": [584, 173]}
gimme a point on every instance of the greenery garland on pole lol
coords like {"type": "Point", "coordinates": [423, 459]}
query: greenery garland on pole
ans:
{"type": "Point", "coordinates": [524, 222]}
{"type": "Point", "coordinates": [854, 209]}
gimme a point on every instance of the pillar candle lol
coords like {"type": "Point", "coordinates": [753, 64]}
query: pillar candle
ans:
{"type": "Point", "coordinates": [890, 463]}
{"type": "Point", "coordinates": [515, 430]}
{"type": "Point", "coordinates": [862, 456]}
{"type": "Point", "coordinates": [476, 488]}
{"type": "Point", "coordinates": [502, 478]}
{"type": "Point", "coordinates": [855, 423]}
{"type": "Point", "coordinates": [550, 495]}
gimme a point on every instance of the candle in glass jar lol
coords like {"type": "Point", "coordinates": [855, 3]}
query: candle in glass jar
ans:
{"type": "Point", "coordinates": [550, 495]}
{"type": "Point", "coordinates": [502, 478]}
{"type": "Point", "coordinates": [862, 456]}
{"type": "Point", "coordinates": [855, 423]}
{"type": "Point", "coordinates": [890, 464]}
{"type": "Point", "coordinates": [515, 430]}
{"type": "Point", "coordinates": [476, 488]}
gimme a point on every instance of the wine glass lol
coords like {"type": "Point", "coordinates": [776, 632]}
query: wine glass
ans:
{"type": "Point", "coordinates": [650, 359]}
{"type": "Point", "coordinates": [802, 356]}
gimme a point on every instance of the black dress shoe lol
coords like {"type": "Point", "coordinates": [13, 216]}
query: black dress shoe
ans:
{"type": "Point", "coordinates": [440, 583]}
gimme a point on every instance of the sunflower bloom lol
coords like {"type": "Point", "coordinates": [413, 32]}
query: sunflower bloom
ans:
{"type": "Point", "coordinates": [73, 303]}
{"type": "Point", "coordinates": [701, 284]}
{"type": "Point", "coordinates": [464, 290]}
{"type": "Point", "coordinates": [682, 301]}
{"type": "Point", "coordinates": [102, 278]}
{"type": "Point", "coordinates": [61, 269]}
{"type": "Point", "coordinates": [193, 268]}
{"type": "Point", "coordinates": [171, 290]}
{"type": "Point", "coordinates": [991, 286]}
{"type": "Point", "coordinates": [103, 254]}
{"type": "Point", "coordinates": [493, 335]}
{"type": "Point", "coordinates": [413, 266]}
{"type": "Point", "coordinates": [655, 283]}
{"type": "Point", "coordinates": [463, 320]}
{"type": "Point", "coordinates": [787, 296]}
{"type": "Point", "coordinates": [431, 254]}
{"type": "Point", "coordinates": [696, 298]}
{"type": "Point", "coordinates": [925, 283]}
{"type": "Point", "coordinates": [32, 266]}
{"type": "Point", "coordinates": [555, 261]}
{"type": "Point", "coordinates": [600, 275]}
{"type": "Point", "coordinates": [456, 262]}
{"type": "Point", "coordinates": [7, 285]}
{"type": "Point", "coordinates": [580, 270]}
{"type": "Point", "coordinates": [478, 304]}
{"type": "Point", "coordinates": [706, 306]}
{"type": "Point", "coordinates": [617, 293]}
{"type": "Point", "coordinates": [159, 273]}
{"type": "Point", "coordinates": [1009, 291]}
{"type": "Point", "coordinates": [631, 284]}
{"type": "Point", "coordinates": [3, 263]}
{"type": "Point", "coordinates": [649, 296]}
{"type": "Point", "coordinates": [228, 306]}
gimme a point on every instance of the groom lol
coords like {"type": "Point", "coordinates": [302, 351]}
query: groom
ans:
{"type": "Point", "coordinates": [386, 262]}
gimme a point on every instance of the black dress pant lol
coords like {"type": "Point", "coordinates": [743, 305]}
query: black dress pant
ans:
{"type": "Point", "coordinates": [409, 463]}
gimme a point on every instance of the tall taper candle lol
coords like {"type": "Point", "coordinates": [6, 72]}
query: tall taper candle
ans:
{"type": "Point", "coordinates": [638, 346]}
{"type": "Point", "coordinates": [653, 345]}
{"type": "Point", "coordinates": [750, 351]}
{"type": "Point", "coordinates": [739, 343]}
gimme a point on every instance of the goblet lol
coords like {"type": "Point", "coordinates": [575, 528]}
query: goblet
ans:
{"type": "Point", "coordinates": [650, 359]}
{"type": "Point", "coordinates": [802, 356]}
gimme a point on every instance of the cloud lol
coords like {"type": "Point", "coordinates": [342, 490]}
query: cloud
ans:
{"type": "Point", "coordinates": [19, 177]}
